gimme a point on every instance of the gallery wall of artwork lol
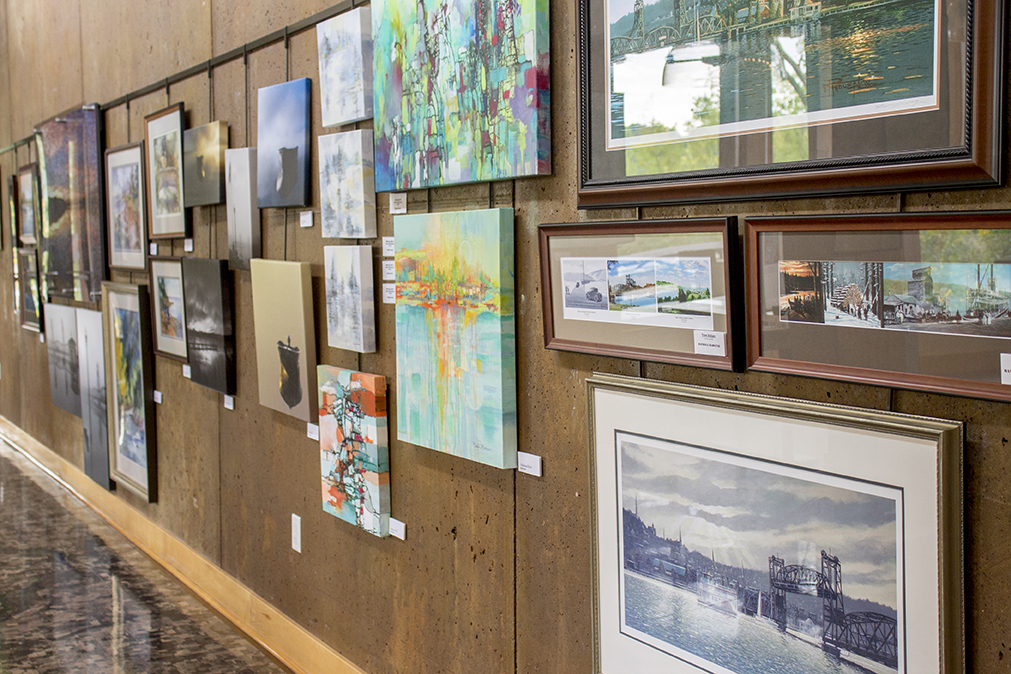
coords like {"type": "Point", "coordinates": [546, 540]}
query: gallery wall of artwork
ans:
{"type": "Point", "coordinates": [496, 571]}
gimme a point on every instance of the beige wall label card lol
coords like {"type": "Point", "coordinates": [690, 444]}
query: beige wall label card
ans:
{"type": "Point", "coordinates": [305, 219]}
{"type": "Point", "coordinates": [1005, 368]}
{"type": "Point", "coordinates": [187, 371]}
{"type": "Point", "coordinates": [188, 245]}
{"type": "Point", "coordinates": [389, 270]}
{"type": "Point", "coordinates": [229, 402]}
{"type": "Point", "coordinates": [398, 203]}
{"type": "Point", "coordinates": [312, 431]}
{"type": "Point", "coordinates": [398, 529]}
{"type": "Point", "coordinates": [710, 343]}
{"type": "Point", "coordinates": [389, 247]}
{"type": "Point", "coordinates": [152, 249]}
{"type": "Point", "coordinates": [389, 293]}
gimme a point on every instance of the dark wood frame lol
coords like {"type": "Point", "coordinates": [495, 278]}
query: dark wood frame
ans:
{"type": "Point", "coordinates": [142, 211]}
{"type": "Point", "coordinates": [34, 325]}
{"type": "Point", "coordinates": [31, 170]}
{"type": "Point", "coordinates": [186, 230]}
{"type": "Point", "coordinates": [978, 163]}
{"type": "Point", "coordinates": [861, 223]}
{"type": "Point", "coordinates": [154, 305]}
{"type": "Point", "coordinates": [12, 210]}
{"type": "Point", "coordinates": [147, 366]}
{"type": "Point", "coordinates": [733, 282]}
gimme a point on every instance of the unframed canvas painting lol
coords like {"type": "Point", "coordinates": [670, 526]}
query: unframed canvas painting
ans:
{"type": "Point", "coordinates": [243, 213]}
{"type": "Point", "coordinates": [354, 451]}
{"type": "Point", "coordinates": [350, 304]}
{"type": "Point", "coordinates": [347, 185]}
{"type": "Point", "coordinates": [73, 206]}
{"type": "Point", "coordinates": [285, 340]}
{"type": "Point", "coordinates": [460, 95]}
{"type": "Point", "coordinates": [207, 287]}
{"type": "Point", "coordinates": [94, 407]}
{"type": "Point", "coordinates": [456, 354]}
{"type": "Point", "coordinates": [64, 359]}
{"type": "Point", "coordinates": [282, 140]}
{"type": "Point", "coordinates": [345, 66]}
{"type": "Point", "coordinates": [203, 164]}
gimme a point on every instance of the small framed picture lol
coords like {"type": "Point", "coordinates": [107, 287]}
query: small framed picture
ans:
{"type": "Point", "coordinates": [164, 140]}
{"type": "Point", "coordinates": [28, 204]}
{"type": "Point", "coordinates": [130, 389]}
{"type": "Point", "coordinates": [658, 290]}
{"type": "Point", "coordinates": [127, 211]}
{"type": "Point", "coordinates": [738, 533]}
{"type": "Point", "coordinates": [169, 307]}
{"type": "Point", "coordinates": [28, 282]}
{"type": "Point", "coordinates": [919, 301]}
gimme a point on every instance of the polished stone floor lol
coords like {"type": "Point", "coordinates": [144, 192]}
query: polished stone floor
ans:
{"type": "Point", "coordinates": [76, 596]}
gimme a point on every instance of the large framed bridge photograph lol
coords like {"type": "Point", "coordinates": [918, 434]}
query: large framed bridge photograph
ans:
{"type": "Point", "coordinates": [915, 300]}
{"type": "Point", "coordinates": [712, 100]}
{"type": "Point", "coordinates": [737, 533]}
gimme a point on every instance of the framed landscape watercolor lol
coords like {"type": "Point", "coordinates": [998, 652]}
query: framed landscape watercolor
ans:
{"type": "Point", "coordinates": [165, 176]}
{"type": "Point", "coordinates": [169, 307]}
{"type": "Point", "coordinates": [129, 370]}
{"type": "Point", "coordinates": [27, 280]}
{"type": "Point", "coordinates": [72, 216]}
{"type": "Point", "coordinates": [127, 206]}
{"type": "Point", "coordinates": [354, 448]}
{"type": "Point", "coordinates": [718, 101]}
{"type": "Point", "coordinates": [28, 204]}
{"type": "Point", "coordinates": [916, 301]}
{"type": "Point", "coordinates": [456, 334]}
{"type": "Point", "coordinates": [660, 290]}
{"type": "Point", "coordinates": [461, 96]}
{"type": "Point", "coordinates": [737, 533]}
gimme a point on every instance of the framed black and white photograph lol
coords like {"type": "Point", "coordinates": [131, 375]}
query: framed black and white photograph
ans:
{"type": "Point", "coordinates": [717, 101]}
{"type": "Point", "coordinates": [738, 533]}
{"type": "Point", "coordinates": [210, 330]}
{"type": "Point", "coordinates": [29, 211]}
{"type": "Point", "coordinates": [27, 282]}
{"type": "Point", "coordinates": [164, 154]}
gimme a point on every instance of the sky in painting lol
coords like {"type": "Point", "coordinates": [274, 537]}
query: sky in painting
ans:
{"type": "Point", "coordinates": [742, 514]}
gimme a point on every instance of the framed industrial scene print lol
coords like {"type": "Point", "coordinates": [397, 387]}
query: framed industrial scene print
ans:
{"type": "Point", "coordinates": [129, 373]}
{"type": "Point", "coordinates": [736, 533]}
{"type": "Point", "coordinates": [169, 315]}
{"type": "Point", "coordinates": [127, 207]}
{"type": "Point", "coordinates": [164, 139]}
{"type": "Point", "coordinates": [28, 204]}
{"type": "Point", "coordinates": [659, 290]}
{"type": "Point", "coordinates": [917, 301]}
{"type": "Point", "coordinates": [27, 281]}
{"type": "Point", "coordinates": [717, 101]}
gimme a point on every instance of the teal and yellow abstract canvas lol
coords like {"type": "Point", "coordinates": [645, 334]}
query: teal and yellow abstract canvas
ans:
{"type": "Point", "coordinates": [354, 447]}
{"type": "Point", "coordinates": [456, 352]}
{"type": "Point", "coordinates": [461, 91]}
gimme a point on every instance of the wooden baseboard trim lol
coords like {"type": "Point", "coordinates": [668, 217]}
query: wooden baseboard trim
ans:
{"type": "Point", "coordinates": [279, 635]}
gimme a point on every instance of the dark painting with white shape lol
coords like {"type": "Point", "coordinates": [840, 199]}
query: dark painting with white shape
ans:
{"type": "Point", "coordinates": [90, 345]}
{"type": "Point", "coordinates": [282, 140]}
{"type": "Point", "coordinates": [207, 287]}
{"type": "Point", "coordinates": [243, 213]}
{"type": "Point", "coordinates": [64, 369]}
{"type": "Point", "coordinates": [203, 164]}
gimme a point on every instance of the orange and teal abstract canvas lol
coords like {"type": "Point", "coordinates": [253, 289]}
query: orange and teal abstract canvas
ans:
{"type": "Point", "coordinates": [354, 449]}
{"type": "Point", "coordinates": [456, 341]}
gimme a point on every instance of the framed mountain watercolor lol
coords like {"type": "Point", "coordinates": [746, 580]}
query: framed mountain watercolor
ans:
{"type": "Point", "coordinates": [127, 206]}
{"type": "Point", "coordinates": [165, 176]}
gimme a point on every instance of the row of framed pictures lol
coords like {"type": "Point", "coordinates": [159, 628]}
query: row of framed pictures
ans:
{"type": "Point", "coordinates": [917, 301]}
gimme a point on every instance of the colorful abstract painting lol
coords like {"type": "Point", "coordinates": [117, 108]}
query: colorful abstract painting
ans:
{"type": "Point", "coordinates": [461, 91]}
{"type": "Point", "coordinates": [350, 304]}
{"type": "Point", "coordinates": [345, 66]}
{"type": "Point", "coordinates": [347, 185]}
{"type": "Point", "coordinates": [72, 256]}
{"type": "Point", "coordinates": [456, 354]}
{"type": "Point", "coordinates": [354, 451]}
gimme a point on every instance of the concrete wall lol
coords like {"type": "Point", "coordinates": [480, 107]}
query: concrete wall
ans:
{"type": "Point", "coordinates": [495, 573]}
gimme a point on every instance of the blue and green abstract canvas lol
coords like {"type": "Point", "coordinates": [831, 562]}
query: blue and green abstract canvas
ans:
{"type": "Point", "coordinates": [461, 91]}
{"type": "Point", "coordinates": [456, 352]}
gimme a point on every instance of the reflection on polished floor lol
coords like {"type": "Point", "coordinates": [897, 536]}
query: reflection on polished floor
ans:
{"type": "Point", "coordinates": [76, 596]}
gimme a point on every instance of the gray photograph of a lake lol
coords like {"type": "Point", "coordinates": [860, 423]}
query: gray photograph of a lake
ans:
{"type": "Point", "coordinates": [750, 567]}
{"type": "Point", "coordinates": [207, 287]}
{"type": "Point", "coordinates": [91, 345]}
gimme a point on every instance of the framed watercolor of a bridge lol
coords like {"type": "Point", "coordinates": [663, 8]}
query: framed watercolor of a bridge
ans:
{"type": "Point", "coordinates": [918, 301]}
{"type": "Point", "coordinates": [713, 101]}
{"type": "Point", "coordinates": [737, 533]}
{"type": "Point", "coordinates": [660, 290]}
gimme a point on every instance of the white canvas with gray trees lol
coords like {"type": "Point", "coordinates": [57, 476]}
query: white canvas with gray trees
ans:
{"type": "Point", "coordinates": [345, 66]}
{"type": "Point", "coordinates": [347, 185]}
{"type": "Point", "coordinates": [350, 305]}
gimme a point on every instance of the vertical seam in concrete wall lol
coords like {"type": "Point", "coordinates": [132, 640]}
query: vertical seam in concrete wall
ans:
{"type": "Point", "coordinates": [516, 602]}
